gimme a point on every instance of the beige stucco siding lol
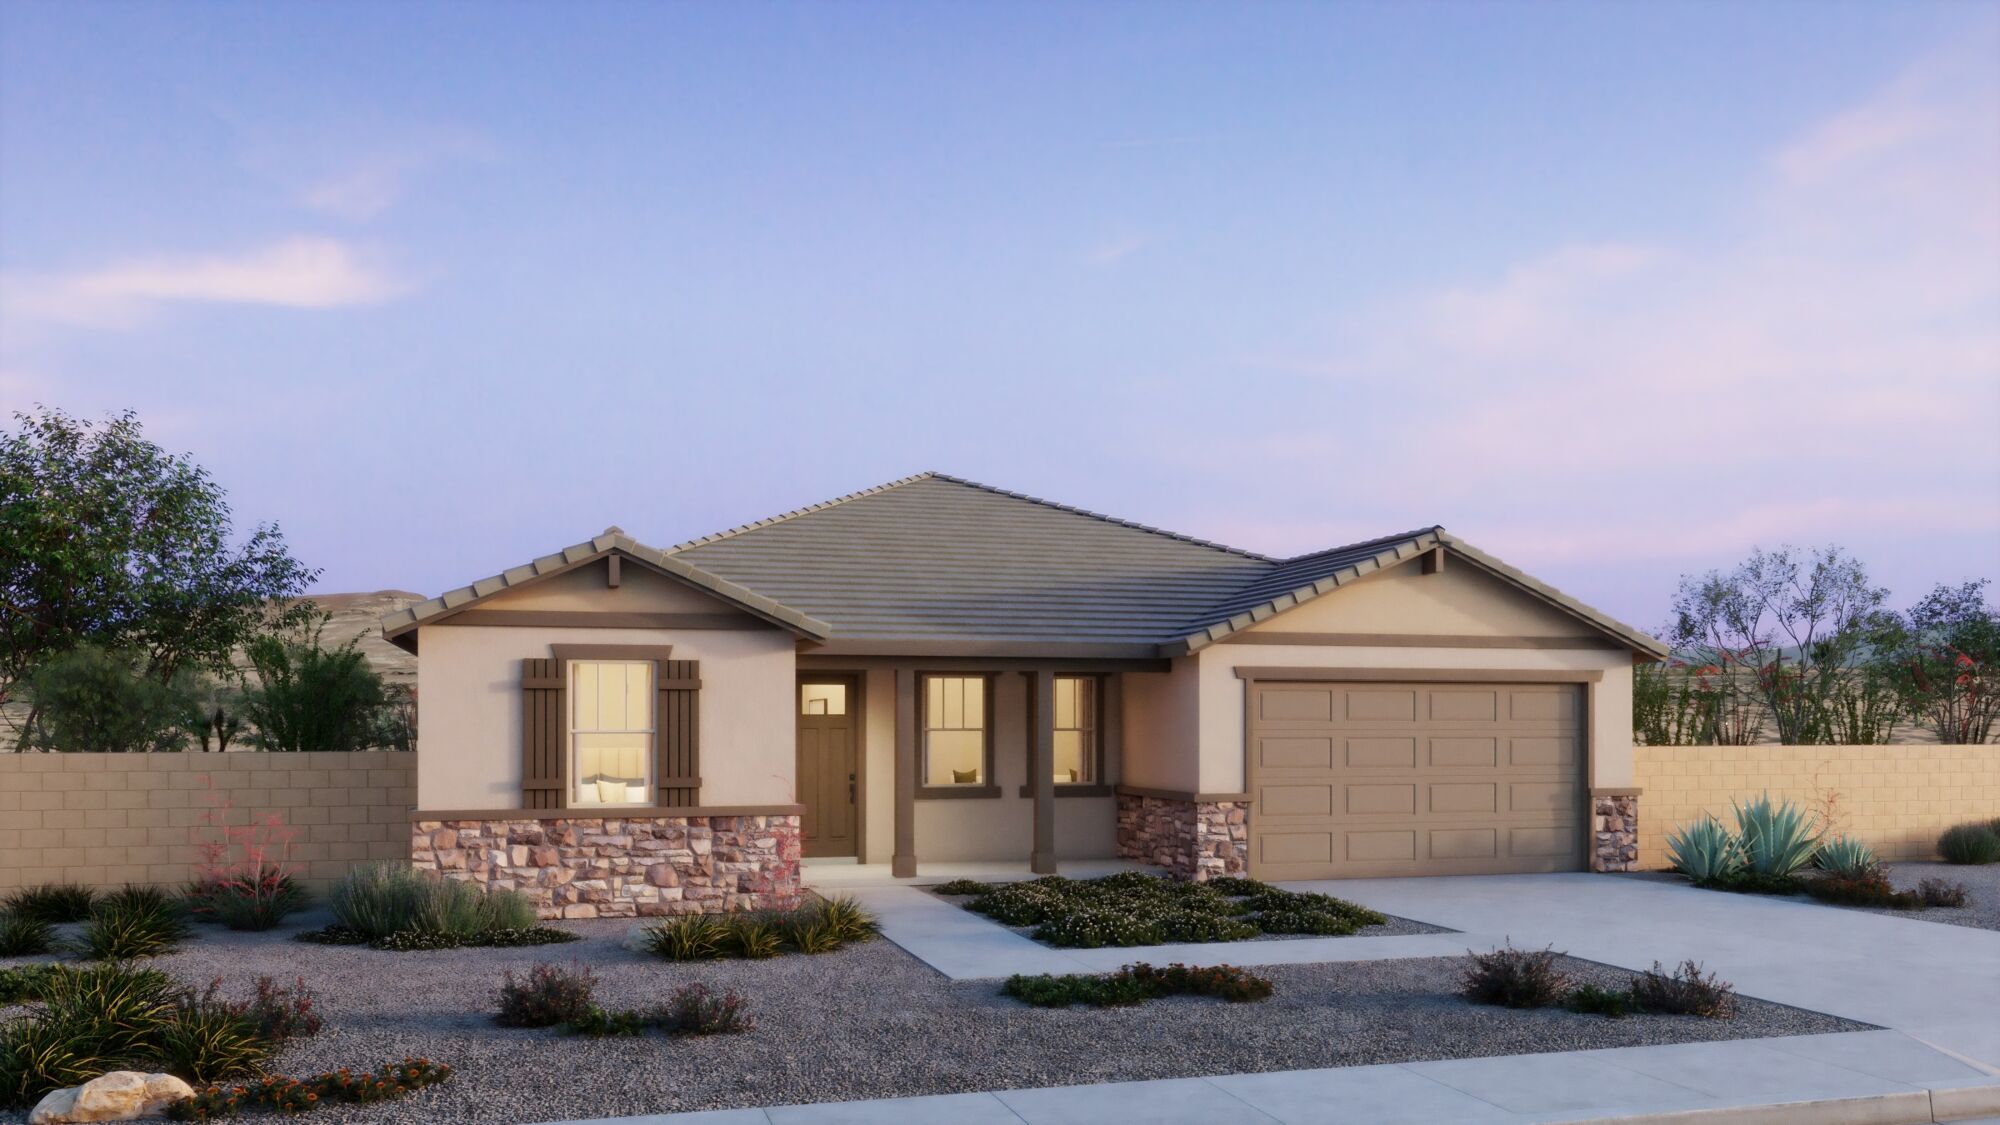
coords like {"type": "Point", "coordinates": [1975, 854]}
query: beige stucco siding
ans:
{"type": "Point", "coordinates": [1459, 600]}
{"type": "Point", "coordinates": [469, 721]}
{"type": "Point", "coordinates": [1163, 727]}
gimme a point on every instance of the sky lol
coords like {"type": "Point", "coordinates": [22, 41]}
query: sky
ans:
{"type": "Point", "coordinates": [1615, 292]}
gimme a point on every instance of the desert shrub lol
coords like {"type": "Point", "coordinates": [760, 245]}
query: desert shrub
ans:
{"type": "Point", "coordinates": [1237, 886]}
{"type": "Point", "coordinates": [1777, 837]}
{"type": "Point", "coordinates": [1195, 926]}
{"type": "Point", "coordinates": [1021, 904]}
{"type": "Point", "coordinates": [388, 899]}
{"type": "Point", "coordinates": [307, 697]}
{"type": "Point", "coordinates": [1704, 851]}
{"type": "Point", "coordinates": [25, 937]}
{"type": "Point", "coordinates": [1747, 882]}
{"type": "Point", "coordinates": [1304, 922]}
{"type": "Point", "coordinates": [1686, 991]}
{"type": "Point", "coordinates": [1136, 984]}
{"type": "Point", "coordinates": [601, 1023]}
{"type": "Point", "coordinates": [1871, 889]}
{"type": "Point", "coordinates": [54, 903]}
{"type": "Point", "coordinates": [1971, 843]}
{"type": "Point", "coordinates": [293, 1095]}
{"type": "Point", "coordinates": [1591, 1000]}
{"type": "Point", "coordinates": [753, 936]}
{"type": "Point", "coordinates": [1846, 857]}
{"type": "Point", "coordinates": [37, 1056]}
{"type": "Point", "coordinates": [958, 887]}
{"type": "Point", "coordinates": [283, 1012]}
{"type": "Point", "coordinates": [695, 937]}
{"type": "Point", "coordinates": [1092, 929]}
{"type": "Point", "coordinates": [335, 934]}
{"type": "Point", "coordinates": [847, 918]}
{"type": "Point", "coordinates": [1275, 901]}
{"type": "Point", "coordinates": [1514, 978]}
{"type": "Point", "coordinates": [1941, 892]}
{"type": "Point", "coordinates": [22, 983]}
{"type": "Point", "coordinates": [94, 700]}
{"type": "Point", "coordinates": [808, 932]}
{"type": "Point", "coordinates": [258, 898]}
{"type": "Point", "coordinates": [547, 996]}
{"type": "Point", "coordinates": [510, 937]}
{"type": "Point", "coordinates": [134, 922]}
{"type": "Point", "coordinates": [694, 1010]}
{"type": "Point", "coordinates": [207, 1041]}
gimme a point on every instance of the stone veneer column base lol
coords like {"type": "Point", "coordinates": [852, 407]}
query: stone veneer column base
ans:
{"type": "Point", "coordinates": [1196, 840]}
{"type": "Point", "coordinates": [621, 867]}
{"type": "Point", "coordinates": [1614, 827]}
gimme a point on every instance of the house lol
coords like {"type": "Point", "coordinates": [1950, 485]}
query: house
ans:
{"type": "Point", "coordinates": [936, 670]}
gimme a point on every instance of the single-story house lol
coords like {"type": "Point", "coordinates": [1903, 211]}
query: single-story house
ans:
{"type": "Point", "coordinates": [935, 670]}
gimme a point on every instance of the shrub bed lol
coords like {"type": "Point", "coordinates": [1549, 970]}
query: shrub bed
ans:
{"type": "Point", "coordinates": [1134, 908]}
{"type": "Point", "coordinates": [1136, 984]}
{"type": "Point", "coordinates": [1529, 978]}
{"type": "Point", "coordinates": [295, 1095]}
{"type": "Point", "coordinates": [394, 907]}
{"type": "Point", "coordinates": [820, 927]}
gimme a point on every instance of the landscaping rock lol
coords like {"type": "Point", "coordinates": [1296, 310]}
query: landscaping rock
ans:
{"type": "Point", "coordinates": [122, 1095]}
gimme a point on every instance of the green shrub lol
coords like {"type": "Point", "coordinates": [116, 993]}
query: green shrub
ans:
{"type": "Point", "coordinates": [20, 984]}
{"type": "Point", "coordinates": [1304, 922]}
{"type": "Point", "coordinates": [113, 1010]}
{"type": "Point", "coordinates": [37, 1056]}
{"type": "Point", "coordinates": [208, 1042]}
{"type": "Point", "coordinates": [1778, 837]}
{"type": "Point", "coordinates": [134, 922]}
{"type": "Point", "coordinates": [509, 937]}
{"type": "Point", "coordinates": [1941, 892]}
{"type": "Point", "coordinates": [809, 932]}
{"type": "Point", "coordinates": [1093, 929]}
{"type": "Point", "coordinates": [1971, 843]}
{"type": "Point", "coordinates": [258, 898]}
{"type": "Point", "coordinates": [307, 697]}
{"type": "Point", "coordinates": [293, 1095]}
{"type": "Point", "coordinates": [1872, 889]}
{"type": "Point", "coordinates": [694, 937]}
{"type": "Point", "coordinates": [1746, 882]}
{"type": "Point", "coordinates": [283, 1013]}
{"type": "Point", "coordinates": [1847, 858]}
{"type": "Point", "coordinates": [1686, 991]}
{"type": "Point", "coordinates": [1514, 978]}
{"type": "Point", "coordinates": [1589, 999]}
{"type": "Point", "coordinates": [694, 1010]}
{"type": "Point", "coordinates": [848, 919]}
{"type": "Point", "coordinates": [391, 898]}
{"type": "Point", "coordinates": [547, 996]}
{"type": "Point", "coordinates": [754, 937]}
{"type": "Point", "coordinates": [25, 937]}
{"type": "Point", "coordinates": [1195, 926]}
{"type": "Point", "coordinates": [54, 903]}
{"type": "Point", "coordinates": [1704, 851]}
{"type": "Point", "coordinates": [93, 700]}
{"type": "Point", "coordinates": [963, 887]}
{"type": "Point", "coordinates": [1136, 984]}
{"type": "Point", "coordinates": [335, 934]}
{"type": "Point", "coordinates": [597, 1023]}
{"type": "Point", "coordinates": [1237, 886]}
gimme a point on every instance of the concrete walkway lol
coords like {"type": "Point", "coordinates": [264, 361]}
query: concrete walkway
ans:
{"type": "Point", "coordinates": [1852, 1078]}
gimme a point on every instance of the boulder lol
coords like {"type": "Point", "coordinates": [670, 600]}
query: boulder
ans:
{"type": "Point", "coordinates": [122, 1095]}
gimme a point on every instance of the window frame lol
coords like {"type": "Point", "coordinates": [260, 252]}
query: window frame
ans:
{"type": "Point", "coordinates": [1093, 749]}
{"type": "Point", "coordinates": [651, 758]}
{"type": "Point", "coordinates": [989, 787]}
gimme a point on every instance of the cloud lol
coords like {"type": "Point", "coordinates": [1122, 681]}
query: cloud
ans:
{"type": "Point", "coordinates": [299, 273]}
{"type": "Point", "coordinates": [1826, 366]}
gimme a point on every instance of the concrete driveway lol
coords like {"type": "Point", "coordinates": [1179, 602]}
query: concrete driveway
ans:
{"type": "Point", "coordinates": [1937, 983]}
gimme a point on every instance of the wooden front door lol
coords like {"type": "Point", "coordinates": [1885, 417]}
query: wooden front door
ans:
{"type": "Point", "coordinates": [828, 707]}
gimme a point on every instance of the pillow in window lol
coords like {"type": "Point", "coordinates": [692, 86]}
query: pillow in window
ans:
{"type": "Point", "coordinates": [1072, 775]}
{"type": "Point", "coordinates": [635, 793]}
{"type": "Point", "coordinates": [965, 777]}
{"type": "Point", "coordinates": [610, 791]}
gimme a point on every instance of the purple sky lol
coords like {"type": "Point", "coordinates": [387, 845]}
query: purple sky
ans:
{"type": "Point", "coordinates": [1615, 292]}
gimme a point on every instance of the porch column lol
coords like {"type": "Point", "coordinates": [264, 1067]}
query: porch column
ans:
{"type": "Point", "coordinates": [903, 864]}
{"type": "Point", "coordinates": [1042, 768]}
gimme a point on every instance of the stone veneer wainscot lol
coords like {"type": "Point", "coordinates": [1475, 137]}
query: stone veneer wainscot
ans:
{"type": "Point", "coordinates": [1197, 840]}
{"type": "Point", "coordinates": [621, 867]}
{"type": "Point", "coordinates": [1614, 832]}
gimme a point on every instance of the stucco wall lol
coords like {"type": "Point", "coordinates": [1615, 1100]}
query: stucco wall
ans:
{"type": "Point", "coordinates": [469, 719]}
{"type": "Point", "coordinates": [1163, 727]}
{"type": "Point", "coordinates": [1896, 798]}
{"type": "Point", "coordinates": [1456, 600]}
{"type": "Point", "coordinates": [109, 819]}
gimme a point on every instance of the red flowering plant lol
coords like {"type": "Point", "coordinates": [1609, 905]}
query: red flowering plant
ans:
{"type": "Point", "coordinates": [245, 879]}
{"type": "Point", "coordinates": [1943, 660]}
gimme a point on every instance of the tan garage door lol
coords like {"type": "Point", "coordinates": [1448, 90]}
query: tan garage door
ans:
{"type": "Point", "coordinates": [1369, 779]}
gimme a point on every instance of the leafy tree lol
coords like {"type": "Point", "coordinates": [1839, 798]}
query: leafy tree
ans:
{"type": "Point", "coordinates": [91, 700]}
{"type": "Point", "coordinates": [309, 697]}
{"type": "Point", "coordinates": [1785, 627]}
{"type": "Point", "coordinates": [1942, 659]}
{"type": "Point", "coordinates": [113, 542]}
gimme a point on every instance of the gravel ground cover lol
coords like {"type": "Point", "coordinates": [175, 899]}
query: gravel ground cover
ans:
{"type": "Point", "coordinates": [870, 1021]}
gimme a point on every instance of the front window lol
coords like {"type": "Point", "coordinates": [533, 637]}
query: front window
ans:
{"type": "Point", "coordinates": [1076, 730]}
{"type": "Point", "coordinates": [611, 732]}
{"type": "Point", "coordinates": [954, 730]}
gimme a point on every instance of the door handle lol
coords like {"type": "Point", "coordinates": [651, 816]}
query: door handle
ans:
{"type": "Point", "coordinates": [850, 788]}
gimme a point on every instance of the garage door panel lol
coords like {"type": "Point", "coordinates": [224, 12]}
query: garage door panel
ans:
{"type": "Point", "coordinates": [1413, 779]}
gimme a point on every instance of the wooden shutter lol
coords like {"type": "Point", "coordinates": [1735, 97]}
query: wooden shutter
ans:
{"type": "Point", "coordinates": [544, 735]}
{"type": "Point", "coordinates": [677, 732]}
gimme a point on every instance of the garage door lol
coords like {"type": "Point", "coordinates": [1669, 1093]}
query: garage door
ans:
{"type": "Point", "coordinates": [1370, 779]}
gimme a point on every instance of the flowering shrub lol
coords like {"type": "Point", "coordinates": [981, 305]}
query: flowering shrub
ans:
{"type": "Point", "coordinates": [1135, 908]}
{"type": "Point", "coordinates": [294, 1095]}
{"type": "Point", "coordinates": [694, 1010]}
{"type": "Point", "coordinates": [548, 995]}
{"type": "Point", "coordinates": [244, 879]}
{"type": "Point", "coordinates": [1136, 984]}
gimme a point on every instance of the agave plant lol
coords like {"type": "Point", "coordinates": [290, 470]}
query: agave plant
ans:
{"type": "Point", "coordinates": [1704, 851]}
{"type": "Point", "coordinates": [1846, 857]}
{"type": "Point", "coordinates": [1778, 837]}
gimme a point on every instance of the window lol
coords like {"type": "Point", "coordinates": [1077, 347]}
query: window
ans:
{"type": "Point", "coordinates": [822, 699]}
{"type": "Point", "coordinates": [611, 732]}
{"type": "Point", "coordinates": [1076, 730]}
{"type": "Point", "coordinates": [955, 735]}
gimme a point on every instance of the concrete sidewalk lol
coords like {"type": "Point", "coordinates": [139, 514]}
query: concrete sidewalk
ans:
{"type": "Point", "coordinates": [1857, 1078]}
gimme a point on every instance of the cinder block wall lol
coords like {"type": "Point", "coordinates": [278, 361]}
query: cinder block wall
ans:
{"type": "Point", "coordinates": [1896, 798]}
{"type": "Point", "coordinates": [110, 819]}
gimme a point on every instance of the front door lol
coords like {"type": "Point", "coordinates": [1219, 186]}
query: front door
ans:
{"type": "Point", "coordinates": [826, 768]}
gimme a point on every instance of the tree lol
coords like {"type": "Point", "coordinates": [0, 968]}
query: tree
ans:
{"type": "Point", "coordinates": [1942, 658]}
{"type": "Point", "coordinates": [113, 542]}
{"type": "Point", "coordinates": [1786, 627]}
{"type": "Point", "coordinates": [309, 697]}
{"type": "Point", "coordinates": [91, 700]}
